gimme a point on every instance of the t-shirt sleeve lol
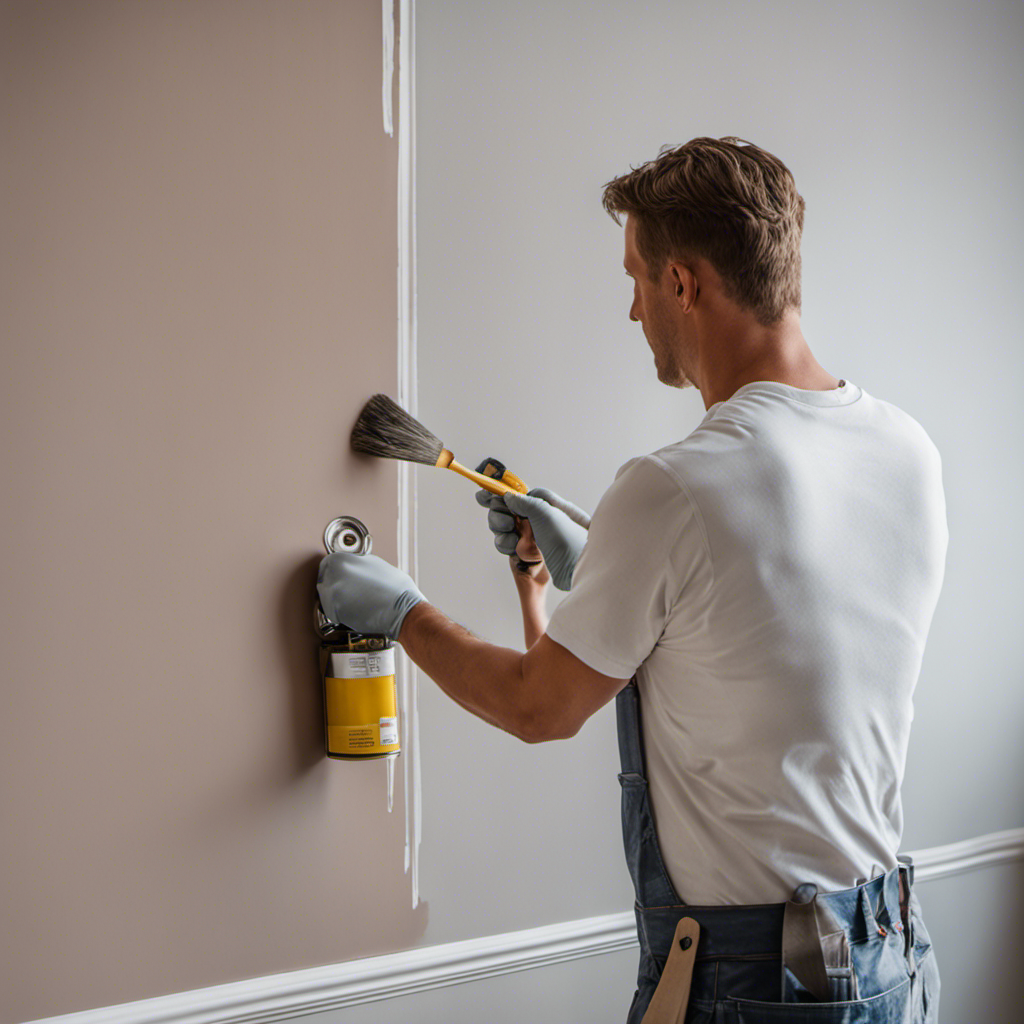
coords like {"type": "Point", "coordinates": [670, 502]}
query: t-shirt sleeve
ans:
{"type": "Point", "coordinates": [645, 543]}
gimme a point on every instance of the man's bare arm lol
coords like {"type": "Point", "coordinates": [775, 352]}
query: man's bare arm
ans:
{"type": "Point", "coordinates": [545, 694]}
{"type": "Point", "coordinates": [532, 596]}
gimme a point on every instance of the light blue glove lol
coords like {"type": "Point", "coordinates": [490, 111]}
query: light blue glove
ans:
{"type": "Point", "coordinates": [365, 593]}
{"type": "Point", "coordinates": [556, 525]}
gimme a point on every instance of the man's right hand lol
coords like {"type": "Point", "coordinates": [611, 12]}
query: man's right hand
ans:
{"type": "Point", "coordinates": [559, 538]}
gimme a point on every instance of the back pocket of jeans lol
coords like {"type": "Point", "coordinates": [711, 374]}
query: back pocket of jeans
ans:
{"type": "Point", "coordinates": [880, 1009]}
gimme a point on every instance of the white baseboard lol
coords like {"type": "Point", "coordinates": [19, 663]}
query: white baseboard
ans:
{"type": "Point", "coordinates": [293, 994]}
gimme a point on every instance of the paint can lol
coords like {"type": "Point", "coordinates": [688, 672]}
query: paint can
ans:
{"type": "Point", "coordinates": [357, 671]}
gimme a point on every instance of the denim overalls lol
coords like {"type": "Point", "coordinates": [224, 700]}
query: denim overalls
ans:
{"type": "Point", "coordinates": [853, 956]}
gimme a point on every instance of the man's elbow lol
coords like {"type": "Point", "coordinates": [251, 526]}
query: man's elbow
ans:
{"type": "Point", "coordinates": [544, 713]}
{"type": "Point", "coordinates": [544, 726]}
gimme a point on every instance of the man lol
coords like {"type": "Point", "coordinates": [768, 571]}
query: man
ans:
{"type": "Point", "coordinates": [761, 591]}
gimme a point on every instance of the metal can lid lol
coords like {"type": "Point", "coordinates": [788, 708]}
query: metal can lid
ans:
{"type": "Point", "coordinates": [346, 533]}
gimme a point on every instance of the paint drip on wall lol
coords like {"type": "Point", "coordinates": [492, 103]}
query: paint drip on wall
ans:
{"type": "Point", "coordinates": [407, 397]}
{"type": "Point", "coordinates": [388, 24]}
{"type": "Point", "coordinates": [407, 560]}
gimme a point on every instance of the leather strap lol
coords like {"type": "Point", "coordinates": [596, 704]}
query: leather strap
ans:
{"type": "Point", "coordinates": [672, 996]}
{"type": "Point", "coordinates": [801, 944]}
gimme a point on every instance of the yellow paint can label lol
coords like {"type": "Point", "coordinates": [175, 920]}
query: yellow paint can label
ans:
{"type": "Point", "coordinates": [361, 703]}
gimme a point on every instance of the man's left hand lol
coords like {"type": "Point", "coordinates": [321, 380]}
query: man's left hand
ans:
{"type": "Point", "coordinates": [365, 593]}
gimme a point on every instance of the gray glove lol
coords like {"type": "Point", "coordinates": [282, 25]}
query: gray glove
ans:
{"type": "Point", "coordinates": [559, 528]}
{"type": "Point", "coordinates": [365, 593]}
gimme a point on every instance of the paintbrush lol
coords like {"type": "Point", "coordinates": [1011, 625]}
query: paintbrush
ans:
{"type": "Point", "coordinates": [386, 430]}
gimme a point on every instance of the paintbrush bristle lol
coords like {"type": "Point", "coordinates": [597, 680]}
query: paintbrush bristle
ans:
{"type": "Point", "coordinates": [385, 429]}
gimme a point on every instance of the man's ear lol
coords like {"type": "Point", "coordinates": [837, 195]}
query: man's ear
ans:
{"type": "Point", "coordinates": [679, 283]}
{"type": "Point", "coordinates": [680, 287]}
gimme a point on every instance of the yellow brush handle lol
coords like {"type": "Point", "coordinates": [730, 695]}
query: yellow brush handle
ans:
{"type": "Point", "coordinates": [488, 483]}
{"type": "Point", "coordinates": [447, 461]}
{"type": "Point", "coordinates": [509, 482]}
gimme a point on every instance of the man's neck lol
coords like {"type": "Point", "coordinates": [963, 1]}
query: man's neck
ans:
{"type": "Point", "coordinates": [805, 373]}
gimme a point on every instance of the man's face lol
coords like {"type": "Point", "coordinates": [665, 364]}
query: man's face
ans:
{"type": "Point", "coordinates": [658, 313]}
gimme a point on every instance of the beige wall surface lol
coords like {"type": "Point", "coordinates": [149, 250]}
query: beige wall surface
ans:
{"type": "Point", "coordinates": [199, 294]}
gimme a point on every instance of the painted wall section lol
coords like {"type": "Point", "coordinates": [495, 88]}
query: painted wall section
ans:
{"type": "Point", "coordinates": [200, 221]}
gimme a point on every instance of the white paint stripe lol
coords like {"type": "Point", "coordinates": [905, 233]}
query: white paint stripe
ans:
{"type": "Point", "coordinates": [408, 526]}
{"type": "Point", "coordinates": [296, 993]}
{"type": "Point", "coordinates": [388, 32]}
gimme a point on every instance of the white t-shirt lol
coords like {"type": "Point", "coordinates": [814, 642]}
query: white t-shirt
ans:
{"type": "Point", "coordinates": [770, 580]}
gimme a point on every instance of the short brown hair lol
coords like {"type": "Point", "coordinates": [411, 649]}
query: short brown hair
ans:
{"type": "Point", "coordinates": [736, 206]}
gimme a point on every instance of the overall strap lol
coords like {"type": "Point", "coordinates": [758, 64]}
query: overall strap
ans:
{"type": "Point", "coordinates": [639, 836]}
{"type": "Point", "coordinates": [627, 720]}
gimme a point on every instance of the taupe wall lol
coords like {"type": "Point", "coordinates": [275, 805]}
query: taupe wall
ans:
{"type": "Point", "coordinates": [199, 293]}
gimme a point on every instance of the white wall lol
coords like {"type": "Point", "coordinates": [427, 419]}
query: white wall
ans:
{"type": "Point", "coordinates": [902, 127]}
